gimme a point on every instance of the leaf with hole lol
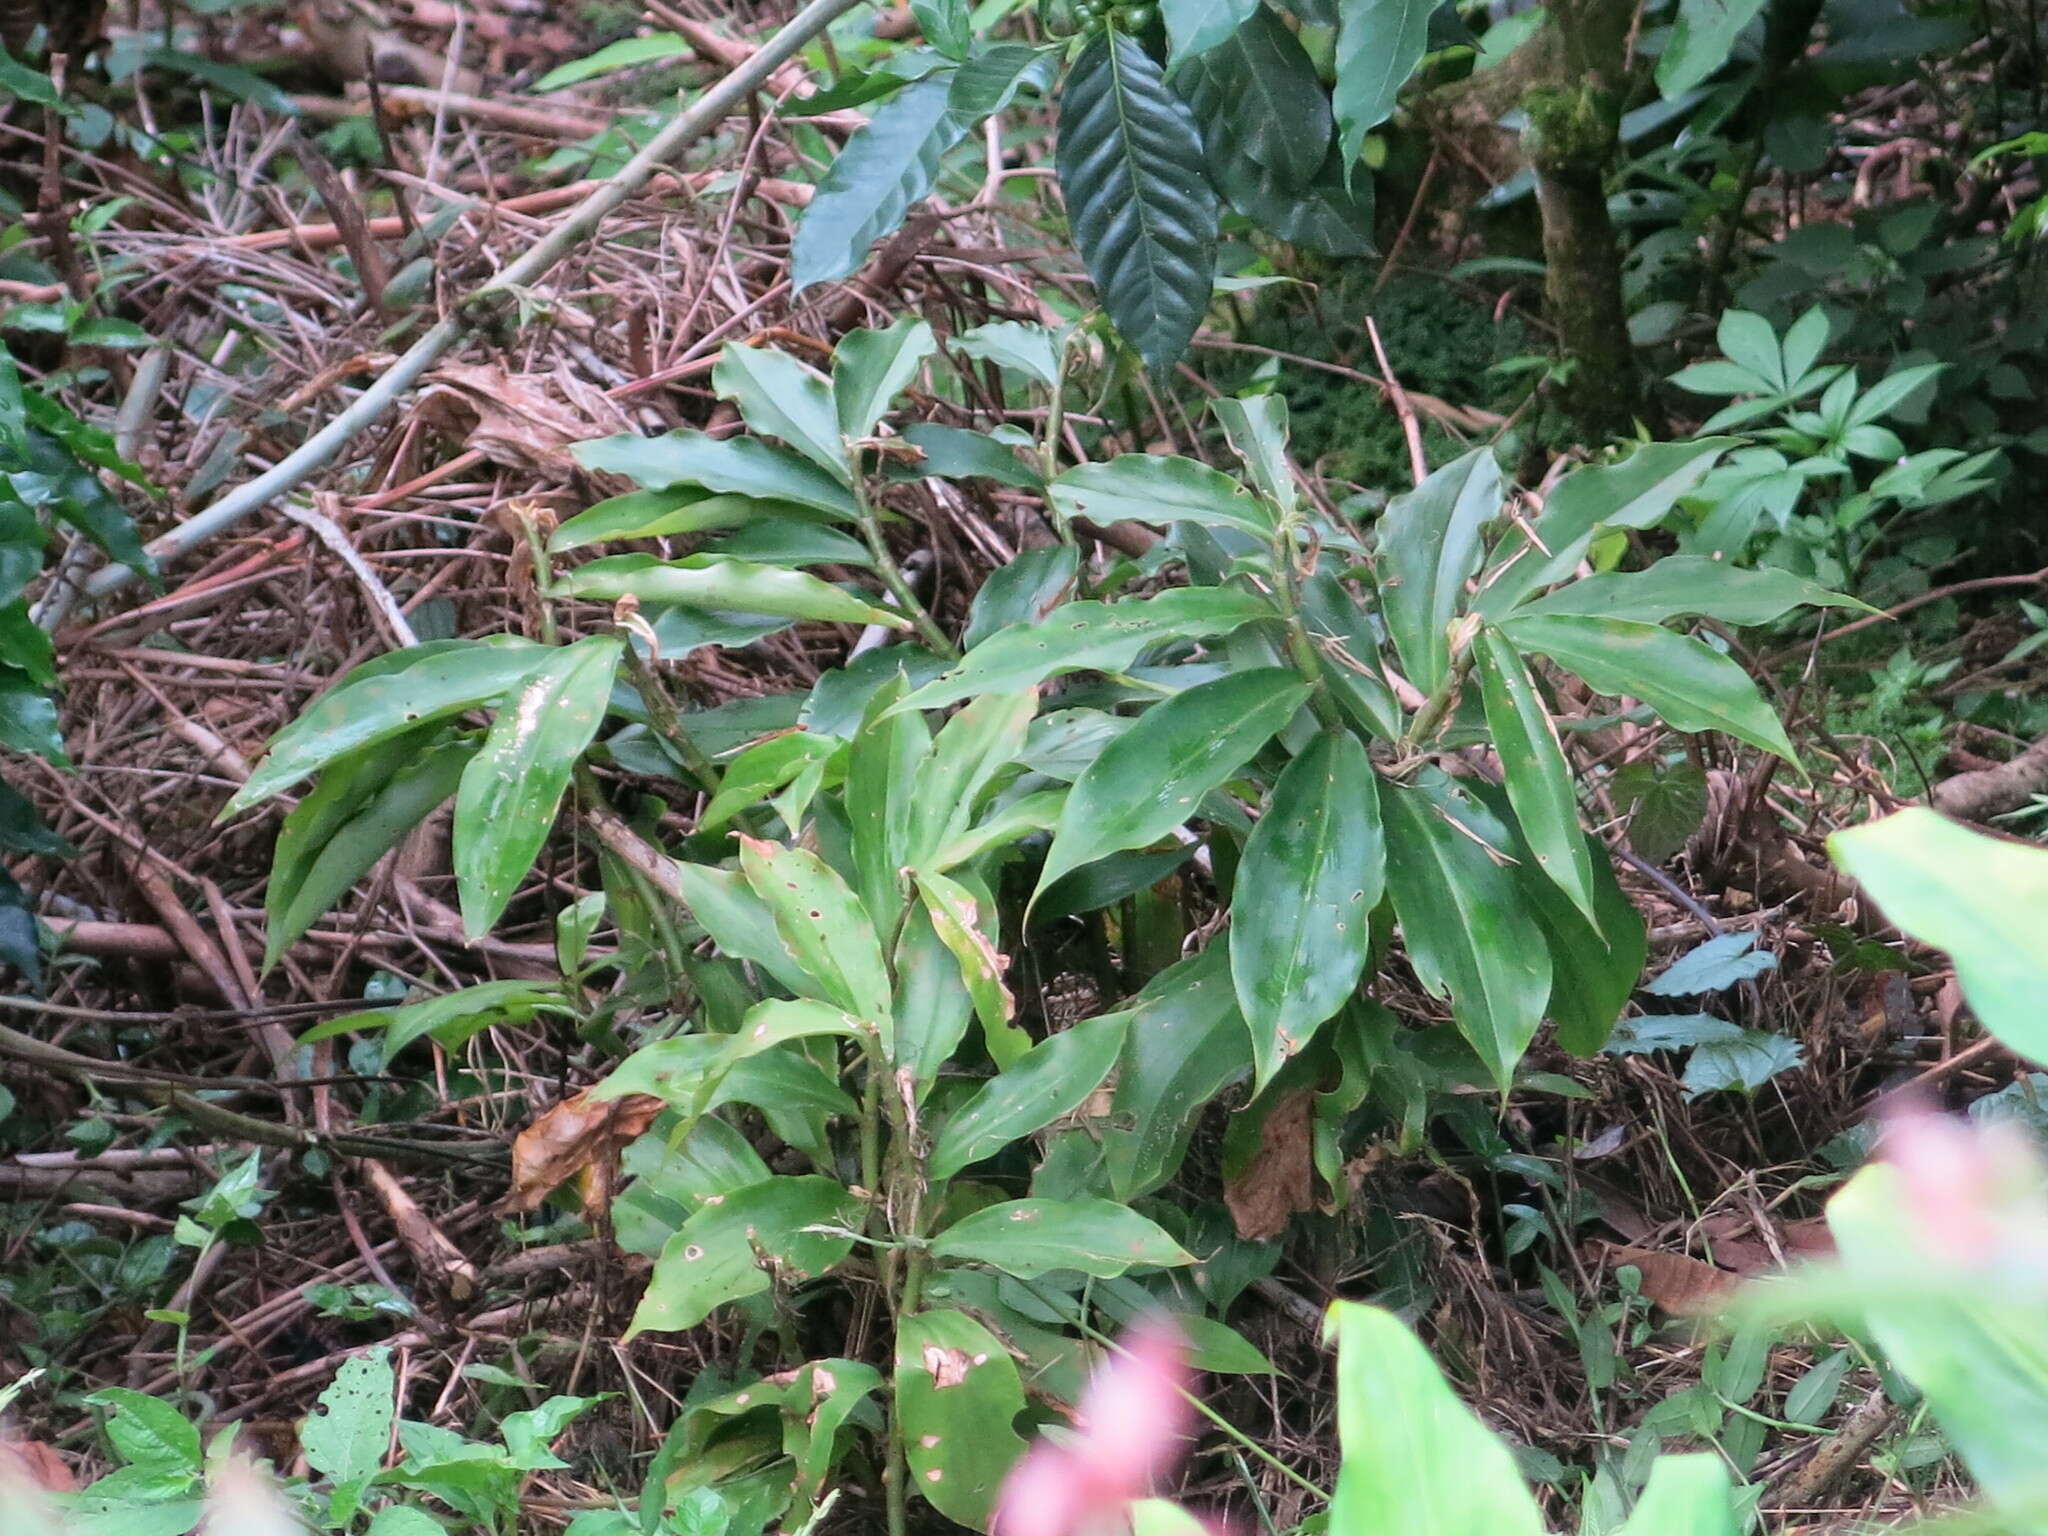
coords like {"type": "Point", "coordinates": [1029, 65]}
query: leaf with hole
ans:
{"type": "Point", "coordinates": [1153, 777]}
{"type": "Point", "coordinates": [822, 925]}
{"type": "Point", "coordinates": [956, 917]}
{"type": "Point", "coordinates": [957, 1397]}
{"type": "Point", "coordinates": [1139, 205]}
{"type": "Point", "coordinates": [505, 803]}
{"type": "Point", "coordinates": [1301, 912]}
{"type": "Point", "coordinates": [718, 1255]}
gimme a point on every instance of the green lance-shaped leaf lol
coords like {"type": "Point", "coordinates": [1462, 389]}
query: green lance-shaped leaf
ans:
{"type": "Point", "coordinates": [886, 167]}
{"type": "Point", "coordinates": [1701, 41]}
{"type": "Point", "coordinates": [1379, 43]}
{"type": "Point", "coordinates": [1687, 1495]}
{"type": "Point", "coordinates": [821, 924]}
{"type": "Point", "coordinates": [727, 586]}
{"type": "Point", "coordinates": [733, 466]}
{"type": "Point", "coordinates": [1300, 916]}
{"type": "Point", "coordinates": [882, 764]}
{"type": "Point", "coordinates": [1153, 778]}
{"type": "Point", "coordinates": [1690, 685]}
{"type": "Point", "coordinates": [1051, 1079]}
{"type": "Point", "coordinates": [1533, 766]}
{"type": "Point", "coordinates": [1429, 547]}
{"type": "Point", "coordinates": [1467, 931]}
{"type": "Point", "coordinates": [1196, 26]}
{"type": "Point", "coordinates": [716, 1256]}
{"type": "Point", "coordinates": [1029, 1238]}
{"type": "Point", "coordinates": [1264, 94]}
{"type": "Point", "coordinates": [660, 514]}
{"type": "Point", "coordinates": [318, 860]}
{"type": "Point", "coordinates": [871, 368]}
{"type": "Point", "coordinates": [976, 744]}
{"type": "Point", "coordinates": [780, 397]}
{"type": "Point", "coordinates": [450, 1018]}
{"type": "Point", "coordinates": [1680, 586]}
{"type": "Point", "coordinates": [933, 1006]}
{"type": "Point", "coordinates": [385, 698]}
{"type": "Point", "coordinates": [1415, 1457]}
{"type": "Point", "coordinates": [1094, 637]}
{"type": "Point", "coordinates": [955, 915]}
{"type": "Point", "coordinates": [1138, 201]}
{"type": "Point", "coordinates": [743, 926]}
{"type": "Point", "coordinates": [1256, 426]}
{"type": "Point", "coordinates": [1159, 488]}
{"type": "Point", "coordinates": [505, 803]}
{"type": "Point", "coordinates": [1186, 1042]}
{"type": "Point", "coordinates": [1983, 899]}
{"type": "Point", "coordinates": [957, 1397]}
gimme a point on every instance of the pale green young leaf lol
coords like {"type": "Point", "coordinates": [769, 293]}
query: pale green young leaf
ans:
{"type": "Point", "coordinates": [1051, 1079]}
{"type": "Point", "coordinates": [1312, 872]}
{"type": "Point", "coordinates": [506, 799]}
{"type": "Point", "coordinates": [973, 747]}
{"type": "Point", "coordinates": [1154, 777]}
{"type": "Point", "coordinates": [1687, 683]}
{"type": "Point", "coordinates": [1533, 767]}
{"type": "Point", "coordinates": [1429, 547]}
{"type": "Point", "coordinates": [1029, 1238]}
{"type": "Point", "coordinates": [148, 1433]}
{"type": "Point", "coordinates": [1686, 1495]}
{"type": "Point", "coordinates": [780, 397]}
{"type": "Point", "coordinates": [346, 1437]}
{"type": "Point", "coordinates": [761, 770]}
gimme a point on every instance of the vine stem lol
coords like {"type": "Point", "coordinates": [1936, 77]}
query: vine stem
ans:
{"type": "Point", "coordinates": [506, 288]}
{"type": "Point", "coordinates": [894, 579]}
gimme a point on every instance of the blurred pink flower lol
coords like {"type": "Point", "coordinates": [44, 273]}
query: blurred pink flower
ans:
{"type": "Point", "coordinates": [1964, 1185]}
{"type": "Point", "coordinates": [1131, 1429]}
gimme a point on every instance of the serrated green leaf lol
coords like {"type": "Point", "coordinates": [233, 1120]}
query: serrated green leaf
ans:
{"type": "Point", "coordinates": [887, 167]}
{"type": "Point", "coordinates": [778, 396]}
{"type": "Point", "coordinates": [1139, 204]}
{"type": "Point", "coordinates": [1429, 546]}
{"type": "Point", "coordinates": [1051, 1079]}
{"type": "Point", "coordinates": [958, 1395]}
{"type": "Point", "coordinates": [1379, 43]}
{"type": "Point", "coordinates": [1467, 933]}
{"type": "Point", "coordinates": [736, 466]}
{"type": "Point", "coordinates": [386, 697]}
{"type": "Point", "coordinates": [1687, 683]}
{"type": "Point", "coordinates": [871, 368]}
{"type": "Point", "coordinates": [1029, 1238]}
{"type": "Point", "coordinates": [1312, 872]}
{"type": "Point", "coordinates": [723, 586]}
{"type": "Point", "coordinates": [1533, 768]}
{"type": "Point", "coordinates": [505, 802]}
{"type": "Point", "coordinates": [1687, 585]}
{"type": "Point", "coordinates": [822, 925]}
{"type": "Point", "coordinates": [1096, 637]}
{"type": "Point", "coordinates": [1155, 776]}
{"type": "Point", "coordinates": [1159, 488]}
{"type": "Point", "coordinates": [715, 1257]}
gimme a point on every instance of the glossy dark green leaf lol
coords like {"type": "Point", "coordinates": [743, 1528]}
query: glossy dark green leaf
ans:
{"type": "Point", "coordinates": [19, 943]}
{"type": "Point", "coordinates": [822, 924]}
{"type": "Point", "coordinates": [737, 466]}
{"type": "Point", "coordinates": [955, 453]}
{"type": "Point", "coordinates": [22, 829]}
{"type": "Point", "coordinates": [1301, 912]}
{"type": "Point", "coordinates": [1106, 882]}
{"type": "Point", "coordinates": [1467, 931]}
{"type": "Point", "coordinates": [1636, 493]}
{"type": "Point", "coordinates": [1665, 805]}
{"type": "Point", "coordinates": [1022, 592]}
{"type": "Point", "coordinates": [505, 803]}
{"type": "Point", "coordinates": [1159, 488]}
{"type": "Point", "coordinates": [28, 717]}
{"type": "Point", "coordinates": [870, 368]}
{"type": "Point", "coordinates": [1186, 1042]}
{"type": "Point", "coordinates": [780, 397]}
{"type": "Point", "coordinates": [1690, 685]}
{"type": "Point", "coordinates": [386, 697]}
{"type": "Point", "coordinates": [1379, 43]}
{"type": "Point", "coordinates": [1196, 26]}
{"type": "Point", "coordinates": [724, 586]}
{"type": "Point", "coordinates": [1429, 546]}
{"type": "Point", "coordinates": [1260, 91]}
{"type": "Point", "coordinates": [957, 1397]}
{"type": "Point", "coordinates": [1139, 205]}
{"type": "Point", "coordinates": [1685, 585]}
{"type": "Point", "coordinates": [1095, 637]}
{"type": "Point", "coordinates": [887, 167]}
{"type": "Point", "coordinates": [315, 863]}
{"type": "Point", "coordinates": [1029, 1238]}
{"type": "Point", "coordinates": [1153, 778]}
{"type": "Point", "coordinates": [1051, 1079]}
{"type": "Point", "coordinates": [1533, 767]}
{"type": "Point", "coordinates": [717, 1255]}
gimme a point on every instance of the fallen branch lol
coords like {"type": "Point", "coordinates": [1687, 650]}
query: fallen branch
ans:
{"type": "Point", "coordinates": [1984, 793]}
{"type": "Point", "coordinates": [488, 302]}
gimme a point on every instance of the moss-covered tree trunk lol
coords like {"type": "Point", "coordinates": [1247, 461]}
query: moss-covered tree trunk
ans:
{"type": "Point", "coordinates": [1572, 139]}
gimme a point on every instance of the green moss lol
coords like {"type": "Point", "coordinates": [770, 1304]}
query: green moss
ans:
{"type": "Point", "coordinates": [1441, 340]}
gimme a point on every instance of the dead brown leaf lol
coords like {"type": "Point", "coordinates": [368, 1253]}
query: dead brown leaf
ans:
{"type": "Point", "coordinates": [1280, 1179]}
{"type": "Point", "coordinates": [524, 420]}
{"type": "Point", "coordinates": [40, 1464]}
{"type": "Point", "coordinates": [580, 1135]}
{"type": "Point", "coordinates": [1673, 1282]}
